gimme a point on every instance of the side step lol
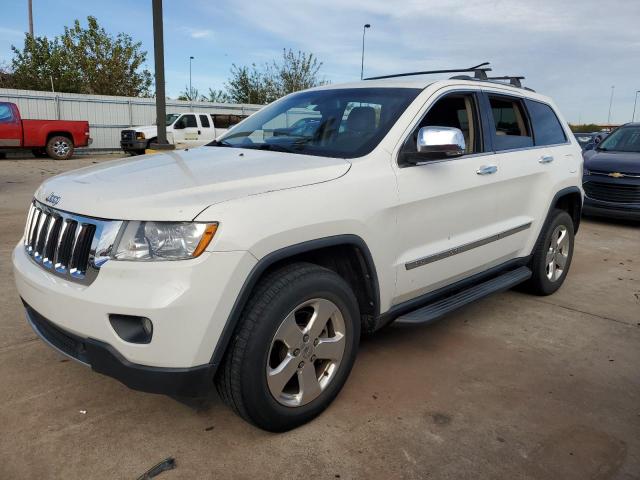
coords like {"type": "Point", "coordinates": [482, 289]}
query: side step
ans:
{"type": "Point", "coordinates": [437, 309]}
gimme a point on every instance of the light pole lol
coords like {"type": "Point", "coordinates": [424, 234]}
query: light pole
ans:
{"type": "Point", "coordinates": [158, 54]}
{"type": "Point", "coordinates": [613, 87]}
{"type": "Point", "coordinates": [30, 19]}
{"type": "Point", "coordinates": [364, 29]}
{"type": "Point", "coordinates": [633, 117]}
{"type": "Point", "coordinates": [190, 88]}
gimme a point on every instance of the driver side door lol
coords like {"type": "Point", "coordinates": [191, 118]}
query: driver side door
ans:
{"type": "Point", "coordinates": [447, 215]}
{"type": "Point", "coordinates": [186, 131]}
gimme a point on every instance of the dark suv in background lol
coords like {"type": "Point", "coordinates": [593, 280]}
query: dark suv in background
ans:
{"type": "Point", "coordinates": [612, 175]}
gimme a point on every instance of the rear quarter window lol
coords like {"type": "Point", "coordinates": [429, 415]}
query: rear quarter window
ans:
{"type": "Point", "coordinates": [547, 129]}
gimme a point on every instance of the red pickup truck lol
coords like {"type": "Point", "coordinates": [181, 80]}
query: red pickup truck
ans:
{"type": "Point", "coordinates": [54, 138]}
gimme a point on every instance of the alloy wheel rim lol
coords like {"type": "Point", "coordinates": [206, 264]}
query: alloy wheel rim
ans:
{"type": "Point", "coordinates": [60, 148]}
{"type": "Point", "coordinates": [557, 253]}
{"type": "Point", "coordinates": [306, 352]}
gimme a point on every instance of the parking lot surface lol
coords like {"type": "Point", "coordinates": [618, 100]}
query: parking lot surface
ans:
{"type": "Point", "coordinates": [512, 387]}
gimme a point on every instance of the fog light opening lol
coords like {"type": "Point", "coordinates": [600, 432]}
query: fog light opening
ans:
{"type": "Point", "coordinates": [132, 328]}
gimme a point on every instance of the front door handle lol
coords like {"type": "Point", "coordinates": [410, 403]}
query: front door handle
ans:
{"type": "Point", "coordinates": [487, 170]}
{"type": "Point", "coordinates": [546, 159]}
{"type": "Point", "coordinates": [199, 132]}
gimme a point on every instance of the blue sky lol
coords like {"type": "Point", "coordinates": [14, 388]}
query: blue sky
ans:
{"type": "Point", "coordinates": [571, 50]}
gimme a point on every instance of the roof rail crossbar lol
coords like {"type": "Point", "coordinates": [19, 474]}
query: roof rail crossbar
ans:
{"type": "Point", "coordinates": [480, 72]}
{"type": "Point", "coordinates": [513, 80]}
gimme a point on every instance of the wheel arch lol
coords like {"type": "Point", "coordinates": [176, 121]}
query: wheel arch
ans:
{"type": "Point", "coordinates": [570, 200]}
{"type": "Point", "coordinates": [60, 133]}
{"type": "Point", "coordinates": [359, 271]}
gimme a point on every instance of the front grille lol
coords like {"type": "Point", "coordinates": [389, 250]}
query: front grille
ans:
{"type": "Point", "coordinates": [613, 192]}
{"type": "Point", "coordinates": [67, 244]}
{"type": "Point", "coordinates": [610, 174]}
{"type": "Point", "coordinates": [64, 341]}
{"type": "Point", "coordinates": [127, 135]}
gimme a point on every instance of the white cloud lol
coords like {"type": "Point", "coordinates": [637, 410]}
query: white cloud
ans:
{"type": "Point", "coordinates": [573, 50]}
{"type": "Point", "coordinates": [197, 32]}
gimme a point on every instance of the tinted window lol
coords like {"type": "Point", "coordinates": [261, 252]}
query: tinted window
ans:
{"type": "Point", "coordinates": [221, 121]}
{"type": "Point", "coordinates": [510, 122]}
{"type": "Point", "coordinates": [190, 121]}
{"type": "Point", "coordinates": [624, 139]}
{"type": "Point", "coordinates": [454, 110]}
{"type": "Point", "coordinates": [204, 120]}
{"type": "Point", "coordinates": [546, 126]}
{"type": "Point", "coordinates": [6, 115]}
{"type": "Point", "coordinates": [352, 121]}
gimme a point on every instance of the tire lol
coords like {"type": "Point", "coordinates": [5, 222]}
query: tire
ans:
{"type": "Point", "coordinates": [550, 263]}
{"type": "Point", "coordinates": [60, 147]}
{"type": "Point", "coordinates": [39, 153]}
{"type": "Point", "coordinates": [279, 308]}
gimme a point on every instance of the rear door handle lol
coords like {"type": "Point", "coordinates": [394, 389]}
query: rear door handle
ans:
{"type": "Point", "coordinates": [546, 159]}
{"type": "Point", "coordinates": [199, 132]}
{"type": "Point", "coordinates": [487, 170]}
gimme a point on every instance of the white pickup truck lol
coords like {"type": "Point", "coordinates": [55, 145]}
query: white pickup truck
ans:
{"type": "Point", "coordinates": [184, 130]}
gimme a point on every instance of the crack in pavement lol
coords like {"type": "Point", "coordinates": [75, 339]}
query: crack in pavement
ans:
{"type": "Point", "coordinates": [572, 309]}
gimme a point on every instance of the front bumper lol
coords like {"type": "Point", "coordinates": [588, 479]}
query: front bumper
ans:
{"type": "Point", "coordinates": [622, 206]}
{"type": "Point", "coordinates": [188, 302]}
{"type": "Point", "coordinates": [610, 210]}
{"type": "Point", "coordinates": [133, 145]}
{"type": "Point", "coordinates": [103, 358]}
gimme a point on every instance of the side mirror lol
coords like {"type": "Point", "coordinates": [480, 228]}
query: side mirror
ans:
{"type": "Point", "coordinates": [440, 142]}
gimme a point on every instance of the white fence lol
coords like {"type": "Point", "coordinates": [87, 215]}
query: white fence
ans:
{"type": "Point", "coordinates": [107, 115]}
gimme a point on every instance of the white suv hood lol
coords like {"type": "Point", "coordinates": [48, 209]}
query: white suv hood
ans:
{"type": "Point", "coordinates": [179, 185]}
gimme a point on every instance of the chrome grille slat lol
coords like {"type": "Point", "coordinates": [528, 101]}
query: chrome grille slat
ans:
{"type": "Point", "coordinates": [34, 230]}
{"type": "Point", "coordinates": [66, 244]}
{"type": "Point", "coordinates": [27, 227]}
{"type": "Point", "coordinates": [51, 241]}
{"type": "Point", "coordinates": [59, 245]}
{"type": "Point", "coordinates": [42, 226]}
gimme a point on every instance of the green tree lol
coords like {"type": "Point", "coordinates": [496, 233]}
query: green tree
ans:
{"type": "Point", "coordinates": [218, 96]}
{"type": "Point", "coordinates": [191, 94]}
{"type": "Point", "coordinates": [82, 60]}
{"type": "Point", "coordinates": [295, 71]}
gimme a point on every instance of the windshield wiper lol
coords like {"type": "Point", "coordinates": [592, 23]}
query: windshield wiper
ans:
{"type": "Point", "coordinates": [219, 143]}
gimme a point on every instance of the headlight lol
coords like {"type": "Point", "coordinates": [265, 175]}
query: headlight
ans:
{"type": "Point", "coordinates": [139, 136]}
{"type": "Point", "coordinates": [149, 241]}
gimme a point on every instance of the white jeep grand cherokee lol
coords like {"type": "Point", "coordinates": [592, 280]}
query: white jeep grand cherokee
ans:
{"type": "Point", "coordinates": [255, 263]}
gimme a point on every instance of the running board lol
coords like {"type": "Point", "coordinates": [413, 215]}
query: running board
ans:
{"type": "Point", "coordinates": [437, 309]}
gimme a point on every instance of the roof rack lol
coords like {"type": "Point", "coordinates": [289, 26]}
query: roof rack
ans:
{"type": "Point", "coordinates": [515, 81]}
{"type": "Point", "coordinates": [479, 71]}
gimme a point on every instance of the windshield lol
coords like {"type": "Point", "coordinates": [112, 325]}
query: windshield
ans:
{"type": "Point", "coordinates": [171, 117]}
{"type": "Point", "coordinates": [624, 139]}
{"type": "Point", "coordinates": [344, 123]}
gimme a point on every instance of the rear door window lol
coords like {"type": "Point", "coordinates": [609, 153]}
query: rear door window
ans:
{"type": "Point", "coordinates": [510, 123]}
{"type": "Point", "coordinates": [6, 114]}
{"type": "Point", "coordinates": [547, 129]}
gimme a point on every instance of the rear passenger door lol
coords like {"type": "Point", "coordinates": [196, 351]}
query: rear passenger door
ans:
{"type": "Point", "coordinates": [206, 132]}
{"type": "Point", "coordinates": [526, 135]}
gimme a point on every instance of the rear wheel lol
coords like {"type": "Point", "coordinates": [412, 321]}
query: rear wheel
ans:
{"type": "Point", "coordinates": [293, 349]}
{"type": "Point", "coordinates": [552, 255]}
{"type": "Point", "coordinates": [60, 148]}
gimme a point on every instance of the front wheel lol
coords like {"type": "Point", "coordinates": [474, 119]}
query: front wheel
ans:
{"type": "Point", "coordinates": [293, 349]}
{"type": "Point", "coordinates": [60, 148]}
{"type": "Point", "coordinates": [552, 255]}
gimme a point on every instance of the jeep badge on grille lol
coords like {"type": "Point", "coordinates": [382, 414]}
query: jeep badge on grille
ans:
{"type": "Point", "coordinates": [53, 199]}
